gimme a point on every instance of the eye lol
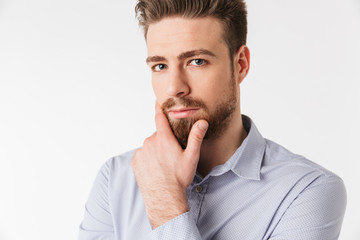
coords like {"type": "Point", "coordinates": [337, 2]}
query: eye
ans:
{"type": "Point", "coordinates": [159, 67]}
{"type": "Point", "coordinates": [197, 62]}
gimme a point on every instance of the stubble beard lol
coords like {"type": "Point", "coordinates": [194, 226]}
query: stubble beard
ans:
{"type": "Point", "coordinates": [218, 120]}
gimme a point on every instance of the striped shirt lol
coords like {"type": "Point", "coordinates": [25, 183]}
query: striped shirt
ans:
{"type": "Point", "coordinates": [262, 192]}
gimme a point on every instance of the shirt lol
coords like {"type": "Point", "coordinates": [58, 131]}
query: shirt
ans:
{"type": "Point", "coordinates": [262, 192]}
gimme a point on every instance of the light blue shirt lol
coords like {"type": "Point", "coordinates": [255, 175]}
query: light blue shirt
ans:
{"type": "Point", "coordinates": [262, 192]}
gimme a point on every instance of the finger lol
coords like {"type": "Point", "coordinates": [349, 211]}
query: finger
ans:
{"type": "Point", "coordinates": [161, 122]}
{"type": "Point", "coordinates": [196, 136]}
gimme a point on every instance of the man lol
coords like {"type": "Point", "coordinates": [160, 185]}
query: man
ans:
{"type": "Point", "coordinates": [207, 173]}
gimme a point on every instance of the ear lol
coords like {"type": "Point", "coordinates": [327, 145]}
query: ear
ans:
{"type": "Point", "coordinates": [242, 63]}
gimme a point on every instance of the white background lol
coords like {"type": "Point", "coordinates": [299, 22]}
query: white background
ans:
{"type": "Point", "coordinates": [75, 90]}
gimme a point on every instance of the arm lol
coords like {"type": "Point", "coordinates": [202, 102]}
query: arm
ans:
{"type": "Point", "coordinates": [97, 222]}
{"type": "Point", "coordinates": [317, 213]}
{"type": "Point", "coordinates": [163, 171]}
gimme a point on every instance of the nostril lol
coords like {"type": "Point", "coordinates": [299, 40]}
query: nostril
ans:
{"type": "Point", "coordinates": [180, 94]}
{"type": "Point", "coordinates": [178, 86]}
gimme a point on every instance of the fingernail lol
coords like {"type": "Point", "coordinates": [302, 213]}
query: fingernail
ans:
{"type": "Point", "coordinates": [203, 125]}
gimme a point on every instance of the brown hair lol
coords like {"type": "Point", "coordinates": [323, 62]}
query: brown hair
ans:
{"type": "Point", "coordinates": [232, 13]}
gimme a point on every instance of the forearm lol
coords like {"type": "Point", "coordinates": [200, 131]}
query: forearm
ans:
{"type": "Point", "coordinates": [167, 204]}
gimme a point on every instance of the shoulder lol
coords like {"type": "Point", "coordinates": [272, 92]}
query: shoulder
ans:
{"type": "Point", "coordinates": [279, 159]}
{"type": "Point", "coordinates": [116, 167]}
{"type": "Point", "coordinates": [121, 161]}
{"type": "Point", "coordinates": [297, 175]}
{"type": "Point", "coordinates": [312, 197]}
{"type": "Point", "coordinates": [116, 175]}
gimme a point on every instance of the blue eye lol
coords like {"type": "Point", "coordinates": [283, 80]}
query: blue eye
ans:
{"type": "Point", "coordinates": [197, 62]}
{"type": "Point", "coordinates": [159, 67]}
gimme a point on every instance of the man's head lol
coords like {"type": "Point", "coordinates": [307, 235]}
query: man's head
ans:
{"type": "Point", "coordinates": [195, 69]}
{"type": "Point", "coordinates": [232, 14]}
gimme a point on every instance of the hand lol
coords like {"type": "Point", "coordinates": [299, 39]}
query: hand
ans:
{"type": "Point", "coordinates": [164, 170]}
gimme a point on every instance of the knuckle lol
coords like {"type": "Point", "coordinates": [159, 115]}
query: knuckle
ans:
{"type": "Point", "coordinates": [158, 135]}
{"type": "Point", "coordinates": [134, 159]}
{"type": "Point", "coordinates": [157, 117]}
{"type": "Point", "coordinates": [147, 141]}
{"type": "Point", "coordinates": [137, 154]}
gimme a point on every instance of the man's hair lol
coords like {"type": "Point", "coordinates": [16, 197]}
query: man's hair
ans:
{"type": "Point", "coordinates": [232, 13]}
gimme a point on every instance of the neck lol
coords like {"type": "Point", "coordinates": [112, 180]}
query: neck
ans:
{"type": "Point", "coordinates": [217, 151]}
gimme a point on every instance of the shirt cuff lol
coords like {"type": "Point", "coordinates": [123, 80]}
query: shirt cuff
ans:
{"type": "Point", "coordinates": [182, 227]}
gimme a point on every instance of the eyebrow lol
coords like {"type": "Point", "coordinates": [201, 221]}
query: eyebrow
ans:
{"type": "Point", "coordinates": [182, 56]}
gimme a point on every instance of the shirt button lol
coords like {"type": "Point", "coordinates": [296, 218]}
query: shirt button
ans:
{"type": "Point", "coordinates": [199, 189]}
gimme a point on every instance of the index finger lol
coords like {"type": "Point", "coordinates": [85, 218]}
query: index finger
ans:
{"type": "Point", "coordinates": [161, 121]}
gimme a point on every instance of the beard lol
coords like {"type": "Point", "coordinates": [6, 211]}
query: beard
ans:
{"type": "Point", "coordinates": [218, 120]}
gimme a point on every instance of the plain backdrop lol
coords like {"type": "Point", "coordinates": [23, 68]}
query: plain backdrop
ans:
{"type": "Point", "coordinates": [75, 91]}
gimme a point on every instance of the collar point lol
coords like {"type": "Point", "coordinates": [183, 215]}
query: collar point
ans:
{"type": "Point", "coordinates": [254, 176]}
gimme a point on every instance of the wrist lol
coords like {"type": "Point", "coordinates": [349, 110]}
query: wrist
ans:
{"type": "Point", "coordinates": [165, 209]}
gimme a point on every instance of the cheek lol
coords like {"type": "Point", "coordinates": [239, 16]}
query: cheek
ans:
{"type": "Point", "coordinates": [159, 91]}
{"type": "Point", "coordinates": [211, 86]}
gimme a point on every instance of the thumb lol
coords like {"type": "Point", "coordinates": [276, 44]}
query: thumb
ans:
{"type": "Point", "coordinates": [195, 138]}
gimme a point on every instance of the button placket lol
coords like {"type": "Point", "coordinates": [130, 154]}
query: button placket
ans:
{"type": "Point", "coordinates": [199, 192]}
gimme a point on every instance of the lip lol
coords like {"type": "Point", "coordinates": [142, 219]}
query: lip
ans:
{"type": "Point", "coordinates": [182, 112]}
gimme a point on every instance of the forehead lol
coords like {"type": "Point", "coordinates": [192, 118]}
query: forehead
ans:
{"type": "Point", "coordinates": [173, 35]}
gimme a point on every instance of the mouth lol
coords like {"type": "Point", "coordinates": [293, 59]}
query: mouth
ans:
{"type": "Point", "coordinates": [182, 112]}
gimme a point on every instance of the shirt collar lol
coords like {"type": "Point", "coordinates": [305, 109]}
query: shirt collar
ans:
{"type": "Point", "coordinates": [247, 159]}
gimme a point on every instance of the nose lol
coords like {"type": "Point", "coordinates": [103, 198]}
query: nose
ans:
{"type": "Point", "coordinates": [178, 85]}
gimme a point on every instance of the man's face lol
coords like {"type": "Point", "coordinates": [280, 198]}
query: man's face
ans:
{"type": "Point", "coordinates": [192, 74]}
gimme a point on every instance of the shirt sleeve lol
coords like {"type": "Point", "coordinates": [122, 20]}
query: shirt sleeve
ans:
{"type": "Point", "coordinates": [182, 227]}
{"type": "Point", "coordinates": [317, 212]}
{"type": "Point", "coordinates": [97, 223]}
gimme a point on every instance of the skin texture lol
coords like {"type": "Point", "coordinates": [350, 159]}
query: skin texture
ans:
{"type": "Point", "coordinates": [163, 169]}
{"type": "Point", "coordinates": [218, 120]}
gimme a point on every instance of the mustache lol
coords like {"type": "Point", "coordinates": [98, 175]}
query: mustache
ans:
{"type": "Point", "coordinates": [183, 101]}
